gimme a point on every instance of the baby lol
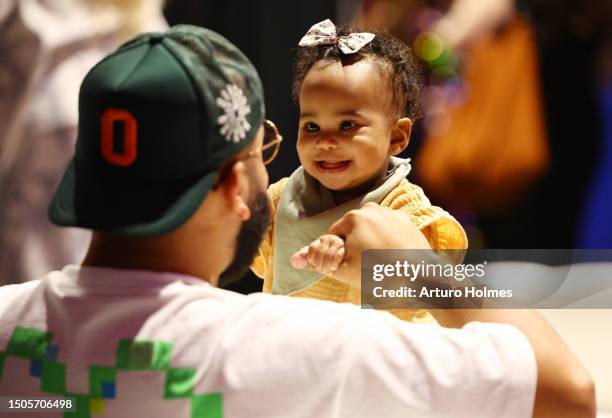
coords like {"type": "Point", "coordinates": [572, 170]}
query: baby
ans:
{"type": "Point", "coordinates": [358, 95]}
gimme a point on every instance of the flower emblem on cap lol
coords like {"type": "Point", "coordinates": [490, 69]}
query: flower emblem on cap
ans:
{"type": "Point", "coordinates": [233, 121]}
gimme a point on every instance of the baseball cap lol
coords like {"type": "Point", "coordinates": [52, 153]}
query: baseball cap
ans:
{"type": "Point", "coordinates": [157, 119]}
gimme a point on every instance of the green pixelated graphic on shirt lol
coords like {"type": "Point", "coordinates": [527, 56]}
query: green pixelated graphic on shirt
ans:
{"type": "Point", "coordinates": [98, 377]}
{"type": "Point", "coordinates": [179, 383]}
{"type": "Point", "coordinates": [209, 405]}
{"type": "Point", "coordinates": [81, 409]}
{"type": "Point", "coordinates": [29, 344]}
{"type": "Point", "coordinates": [143, 355]}
{"type": "Point", "coordinates": [131, 355]}
{"type": "Point", "coordinates": [53, 378]}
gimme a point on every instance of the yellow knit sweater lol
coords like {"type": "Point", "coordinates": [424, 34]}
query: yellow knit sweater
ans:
{"type": "Point", "coordinates": [439, 227]}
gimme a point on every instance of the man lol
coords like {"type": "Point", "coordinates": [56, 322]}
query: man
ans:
{"type": "Point", "coordinates": [168, 172]}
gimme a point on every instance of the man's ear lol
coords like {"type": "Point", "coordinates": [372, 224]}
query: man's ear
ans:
{"type": "Point", "coordinates": [234, 189]}
{"type": "Point", "coordinates": [400, 136]}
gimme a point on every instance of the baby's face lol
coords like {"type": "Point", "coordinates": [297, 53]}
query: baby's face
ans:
{"type": "Point", "coordinates": [345, 123]}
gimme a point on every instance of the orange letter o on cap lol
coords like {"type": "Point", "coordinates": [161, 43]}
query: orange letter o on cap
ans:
{"type": "Point", "coordinates": [128, 156]}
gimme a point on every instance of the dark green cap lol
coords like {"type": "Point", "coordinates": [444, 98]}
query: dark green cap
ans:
{"type": "Point", "coordinates": [157, 118]}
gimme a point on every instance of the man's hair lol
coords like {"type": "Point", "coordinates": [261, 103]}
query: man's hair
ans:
{"type": "Point", "coordinates": [392, 57]}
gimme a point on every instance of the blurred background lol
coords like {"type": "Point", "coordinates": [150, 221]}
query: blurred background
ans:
{"type": "Point", "coordinates": [516, 140]}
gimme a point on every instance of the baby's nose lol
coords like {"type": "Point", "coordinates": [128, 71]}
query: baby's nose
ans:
{"type": "Point", "coordinates": [326, 143]}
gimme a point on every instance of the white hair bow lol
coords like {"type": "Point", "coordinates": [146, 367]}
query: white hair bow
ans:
{"type": "Point", "coordinates": [324, 33]}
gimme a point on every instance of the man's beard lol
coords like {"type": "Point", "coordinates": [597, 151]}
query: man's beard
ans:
{"type": "Point", "coordinates": [249, 237]}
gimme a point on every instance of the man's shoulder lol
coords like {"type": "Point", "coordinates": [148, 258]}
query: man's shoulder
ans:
{"type": "Point", "coordinates": [10, 290]}
{"type": "Point", "coordinates": [303, 318]}
{"type": "Point", "coordinates": [14, 298]}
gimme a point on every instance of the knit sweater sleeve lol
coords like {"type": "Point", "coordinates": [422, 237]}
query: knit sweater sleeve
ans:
{"type": "Point", "coordinates": [439, 227]}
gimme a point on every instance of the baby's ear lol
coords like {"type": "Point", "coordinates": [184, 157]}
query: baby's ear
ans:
{"type": "Point", "coordinates": [400, 136]}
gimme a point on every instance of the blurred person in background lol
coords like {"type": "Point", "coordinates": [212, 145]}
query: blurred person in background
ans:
{"type": "Point", "coordinates": [47, 48]}
{"type": "Point", "coordinates": [514, 143]}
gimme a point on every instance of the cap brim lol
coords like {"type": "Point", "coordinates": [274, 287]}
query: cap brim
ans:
{"type": "Point", "coordinates": [141, 209]}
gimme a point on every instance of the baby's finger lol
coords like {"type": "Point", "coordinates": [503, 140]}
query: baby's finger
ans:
{"type": "Point", "coordinates": [336, 260]}
{"type": "Point", "coordinates": [299, 260]}
{"type": "Point", "coordinates": [313, 248]}
{"type": "Point", "coordinates": [319, 256]}
{"type": "Point", "coordinates": [328, 262]}
{"type": "Point", "coordinates": [335, 243]}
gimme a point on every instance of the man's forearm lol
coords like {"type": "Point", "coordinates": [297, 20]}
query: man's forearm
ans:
{"type": "Point", "coordinates": [564, 387]}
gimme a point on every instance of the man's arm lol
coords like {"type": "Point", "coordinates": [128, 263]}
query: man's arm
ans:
{"type": "Point", "coordinates": [564, 388]}
{"type": "Point", "coordinates": [320, 358]}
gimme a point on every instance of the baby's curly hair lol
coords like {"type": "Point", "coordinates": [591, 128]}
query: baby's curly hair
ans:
{"type": "Point", "coordinates": [393, 57]}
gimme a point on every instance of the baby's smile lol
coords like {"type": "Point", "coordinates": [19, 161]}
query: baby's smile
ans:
{"type": "Point", "coordinates": [331, 165]}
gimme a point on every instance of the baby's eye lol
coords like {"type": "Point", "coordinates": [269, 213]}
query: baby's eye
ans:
{"type": "Point", "coordinates": [347, 125]}
{"type": "Point", "coordinates": [311, 127]}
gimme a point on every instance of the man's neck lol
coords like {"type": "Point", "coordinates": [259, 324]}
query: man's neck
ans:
{"type": "Point", "coordinates": [167, 253]}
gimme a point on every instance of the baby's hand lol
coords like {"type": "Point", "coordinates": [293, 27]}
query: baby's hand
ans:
{"type": "Point", "coordinates": [323, 255]}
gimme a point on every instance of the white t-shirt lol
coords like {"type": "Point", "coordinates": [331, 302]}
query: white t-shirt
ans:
{"type": "Point", "coordinates": [129, 343]}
